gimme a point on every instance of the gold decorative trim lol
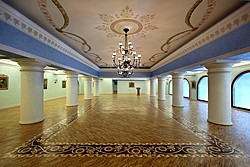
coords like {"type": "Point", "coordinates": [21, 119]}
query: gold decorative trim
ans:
{"type": "Point", "coordinates": [139, 25]}
{"type": "Point", "coordinates": [85, 46]}
{"type": "Point", "coordinates": [166, 46]}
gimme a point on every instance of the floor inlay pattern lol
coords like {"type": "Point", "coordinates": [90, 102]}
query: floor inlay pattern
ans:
{"type": "Point", "coordinates": [39, 145]}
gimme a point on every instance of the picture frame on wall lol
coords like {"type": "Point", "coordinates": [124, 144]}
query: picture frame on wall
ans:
{"type": "Point", "coordinates": [45, 83]}
{"type": "Point", "coordinates": [193, 84]}
{"type": "Point", "coordinates": [4, 82]}
{"type": "Point", "coordinates": [131, 85]}
{"type": "Point", "coordinates": [64, 84]}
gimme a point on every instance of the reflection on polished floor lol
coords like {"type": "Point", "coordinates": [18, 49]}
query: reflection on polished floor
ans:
{"type": "Point", "coordinates": [124, 130]}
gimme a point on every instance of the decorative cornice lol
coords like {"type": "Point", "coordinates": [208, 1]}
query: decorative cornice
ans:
{"type": "Point", "coordinates": [234, 21]}
{"type": "Point", "coordinates": [22, 23]}
{"type": "Point", "coordinates": [115, 70]}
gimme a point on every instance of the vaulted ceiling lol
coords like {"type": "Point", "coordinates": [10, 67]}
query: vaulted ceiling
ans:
{"type": "Point", "coordinates": [94, 28]}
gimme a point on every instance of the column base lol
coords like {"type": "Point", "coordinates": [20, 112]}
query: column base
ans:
{"type": "Point", "coordinates": [32, 122]}
{"type": "Point", "coordinates": [180, 106]}
{"type": "Point", "coordinates": [71, 105]}
{"type": "Point", "coordinates": [162, 99]}
{"type": "Point", "coordinates": [220, 123]}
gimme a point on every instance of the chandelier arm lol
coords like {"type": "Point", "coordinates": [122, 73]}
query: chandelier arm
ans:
{"type": "Point", "coordinates": [120, 51]}
{"type": "Point", "coordinates": [134, 61]}
{"type": "Point", "coordinates": [114, 63]}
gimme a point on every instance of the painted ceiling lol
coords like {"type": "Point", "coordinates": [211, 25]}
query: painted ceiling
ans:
{"type": "Point", "coordinates": [94, 27]}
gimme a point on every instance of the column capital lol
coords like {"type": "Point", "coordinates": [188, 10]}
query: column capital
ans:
{"type": "Point", "coordinates": [87, 77]}
{"type": "Point", "coordinates": [222, 66]}
{"type": "Point", "coordinates": [28, 64]}
{"type": "Point", "coordinates": [71, 74]}
{"type": "Point", "coordinates": [96, 79]}
{"type": "Point", "coordinates": [177, 75]}
{"type": "Point", "coordinates": [162, 78]}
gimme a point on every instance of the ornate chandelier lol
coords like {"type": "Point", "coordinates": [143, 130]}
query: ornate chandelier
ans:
{"type": "Point", "coordinates": [126, 65]}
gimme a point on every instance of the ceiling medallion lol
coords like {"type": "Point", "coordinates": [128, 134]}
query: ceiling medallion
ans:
{"type": "Point", "coordinates": [139, 26]}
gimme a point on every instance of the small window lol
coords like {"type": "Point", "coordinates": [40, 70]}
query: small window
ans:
{"type": "Point", "coordinates": [241, 91]}
{"type": "Point", "coordinates": [185, 88]}
{"type": "Point", "coordinates": [202, 91]}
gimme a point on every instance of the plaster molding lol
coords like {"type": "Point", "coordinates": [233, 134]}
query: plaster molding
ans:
{"type": "Point", "coordinates": [115, 70]}
{"type": "Point", "coordinates": [234, 21]}
{"type": "Point", "coordinates": [22, 23]}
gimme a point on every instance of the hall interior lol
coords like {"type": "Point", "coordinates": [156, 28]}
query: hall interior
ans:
{"type": "Point", "coordinates": [182, 100]}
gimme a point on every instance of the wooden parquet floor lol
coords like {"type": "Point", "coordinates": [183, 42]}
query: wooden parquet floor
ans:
{"type": "Point", "coordinates": [124, 130]}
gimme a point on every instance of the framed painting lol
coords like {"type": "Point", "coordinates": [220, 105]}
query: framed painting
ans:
{"type": "Point", "coordinates": [45, 83]}
{"type": "Point", "coordinates": [63, 84]}
{"type": "Point", "coordinates": [4, 82]}
{"type": "Point", "coordinates": [193, 84]}
{"type": "Point", "coordinates": [131, 85]}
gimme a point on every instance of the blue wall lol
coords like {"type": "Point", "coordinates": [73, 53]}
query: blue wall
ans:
{"type": "Point", "coordinates": [230, 42]}
{"type": "Point", "coordinates": [14, 38]}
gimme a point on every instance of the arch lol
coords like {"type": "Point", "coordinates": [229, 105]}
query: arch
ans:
{"type": "Point", "coordinates": [186, 88]}
{"type": "Point", "coordinates": [240, 91]}
{"type": "Point", "coordinates": [202, 89]}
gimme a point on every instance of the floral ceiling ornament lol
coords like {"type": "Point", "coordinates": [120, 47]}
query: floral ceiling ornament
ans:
{"type": "Point", "coordinates": [139, 26]}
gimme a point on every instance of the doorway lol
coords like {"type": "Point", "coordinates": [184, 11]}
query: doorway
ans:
{"type": "Point", "coordinates": [114, 86]}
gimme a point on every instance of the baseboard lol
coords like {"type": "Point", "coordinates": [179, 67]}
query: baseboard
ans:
{"type": "Point", "coordinates": [18, 105]}
{"type": "Point", "coordinates": [11, 106]}
{"type": "Point", "coordinates": [54, 98]}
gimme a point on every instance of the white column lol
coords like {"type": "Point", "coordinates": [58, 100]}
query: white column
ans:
{"type": "Point", "coordinates": [81, 86]}
{"type": "Point", "coordinates": [219, 92]}
{"type": "Point", "coordinates": [96, 86]}
{"type": "Point", "coordinates": [72, 88]}
{"type": "Point", "coordinates": [32, 83]}
{"type": "Point", "coordinates": [161, 88]}
{"type": "Point", "coordinates": [87, 87]}
{"type": "Point", "coordinates": [153, 87]}
{"type": "Point", "coordinates": [147, 91]}
{"type": "Point", "coordinates": [177, 98]}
